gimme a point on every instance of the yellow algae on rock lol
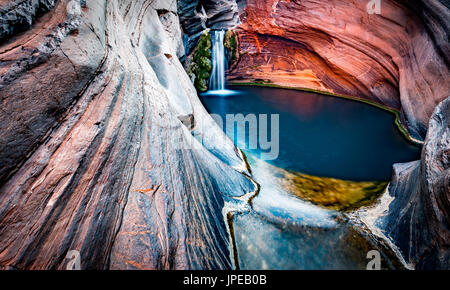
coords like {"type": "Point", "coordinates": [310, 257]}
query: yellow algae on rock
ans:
{"type": "Point", "coordinates": [331, 192]}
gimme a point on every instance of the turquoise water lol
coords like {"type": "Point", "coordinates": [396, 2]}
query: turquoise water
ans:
{"type": "Point", "coordinates": [322, 136]}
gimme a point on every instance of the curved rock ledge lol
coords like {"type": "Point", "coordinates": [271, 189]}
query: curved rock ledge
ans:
{"type": "Point", "coordinates": [94, 155]}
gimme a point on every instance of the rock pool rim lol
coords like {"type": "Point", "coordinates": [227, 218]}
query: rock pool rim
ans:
{"type": "Point", "coordinates": [404, 132]}
{"type": "Point", "coordinates": [230, 213]}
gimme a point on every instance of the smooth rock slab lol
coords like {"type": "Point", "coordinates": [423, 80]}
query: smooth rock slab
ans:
{"type": "Point", "coordinates": [94, 157]}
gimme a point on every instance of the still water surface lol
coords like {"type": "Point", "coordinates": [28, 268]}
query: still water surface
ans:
{"type": "Point", "coordinates": [322, 136]}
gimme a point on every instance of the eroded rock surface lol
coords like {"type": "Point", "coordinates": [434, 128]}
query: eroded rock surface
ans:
{"type": "Point", "coordinates": [415, 213]}
{"type": "Point", "coordinates": [398, 58]}
{"type": "Point", "coordinates": [94, 150]}
{"type": "Point", "coordinates": [18, 15]}
{"type": "Point", "coordinates": [197, 15]}
{"type": "Point", "coordinates": [106, 150]}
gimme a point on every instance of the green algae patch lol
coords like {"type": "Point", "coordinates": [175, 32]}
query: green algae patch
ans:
{"type": "Point", "coordinates": [232, 47]}
{"type": "Point", "coordinates": [198, 65]}
{"type": "Point", "coordinates": [332, 193]}
{"type": "Point", "coordinates": [230, 41]}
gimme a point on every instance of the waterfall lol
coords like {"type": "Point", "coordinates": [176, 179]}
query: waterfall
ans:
{"type": "Point", "coordinates": [217, 81]}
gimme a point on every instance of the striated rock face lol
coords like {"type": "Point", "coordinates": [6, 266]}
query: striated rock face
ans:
{"type": "Point", "coordinates": [106, 150]}
{"type": "Point", "coordinates": [100, 151]}
{"type": "Point", "coordinates": [192, 16]}
{"type": "Point", "coordinates": [222, 14]}
{"type": "Point", "coordinates": [399, 58]}
{"type": "Point", "coordinates": [197, 15]}
{"type": "Point", "coordinates": [18, 15]}
{"type": "Point", "coordinates": [415, 214]}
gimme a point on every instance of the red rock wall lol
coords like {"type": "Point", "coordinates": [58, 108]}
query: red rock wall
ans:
{"type": "Point", "coordinates": [398, 58]}
{"type": "Point", "coordinates": [94, 157]}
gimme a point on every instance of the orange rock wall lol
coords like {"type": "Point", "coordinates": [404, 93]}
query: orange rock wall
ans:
{"type": "Point", "coordinates": [395, 58]}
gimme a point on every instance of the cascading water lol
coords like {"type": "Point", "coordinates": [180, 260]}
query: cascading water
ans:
{"type": "Point", "coordinates": [217, 81]}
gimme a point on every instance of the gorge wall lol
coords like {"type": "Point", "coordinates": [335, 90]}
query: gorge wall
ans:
{"type": "Point", "coordinates": [415, 212]}
{"type": "Point", "coordinates": [105, 148]}
{"type": "Point", "coordinates": [99, 119]}
{"type": "Point", "coordinates": [398, 58]}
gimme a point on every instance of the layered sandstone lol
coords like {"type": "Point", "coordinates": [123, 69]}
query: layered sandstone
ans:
{"type": "Point", "coordinates": [398, 58]}
{"type": "Point", "coordinates": [100, 150]}
{"type": "Point", "coordinates": [106, 150]}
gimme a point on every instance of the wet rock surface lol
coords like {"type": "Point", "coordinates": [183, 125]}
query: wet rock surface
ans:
{"type": "Point", "coordinates": [106, 150]}
{"type": "Point", "coordinates": [198, 15]}
{"type": "Point", "coordinates": [94, 155]}
{"type": "Point", "coordinates": [415, 213]}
